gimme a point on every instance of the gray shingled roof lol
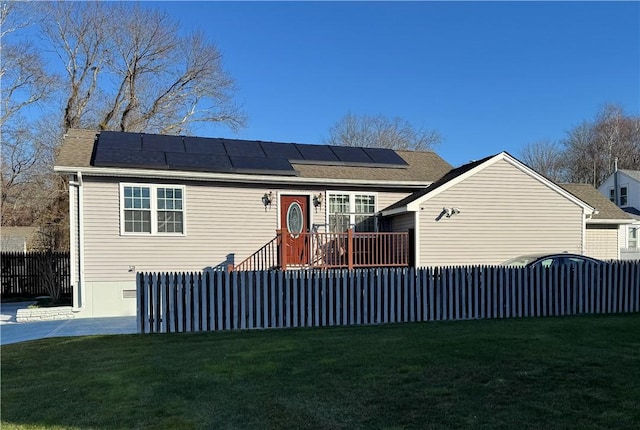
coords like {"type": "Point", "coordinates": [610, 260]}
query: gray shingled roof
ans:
{"type": "Point", "coordinates": [635, 174]}
{"type": "Point", "coordinates": [588, 194]}
{"type": "Point", "coordinates": [424, 166]}
{"type": "Point", "coordinates": [449, 176]}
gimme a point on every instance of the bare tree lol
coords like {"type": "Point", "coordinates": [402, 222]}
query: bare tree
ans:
{"type": "Point", "coordinates": [591, 147]}
{"type": "Point", "coordinates": [129, 68]}
{"type": "Point", "coordinates": [25, 87]}
{"type": "Point", "coordinates": [545, 157]}
{"type": "Point", "coordinates": [381, 132]}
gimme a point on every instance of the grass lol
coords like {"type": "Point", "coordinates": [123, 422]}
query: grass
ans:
{"type": "Point", "coordinates": [573, 372]}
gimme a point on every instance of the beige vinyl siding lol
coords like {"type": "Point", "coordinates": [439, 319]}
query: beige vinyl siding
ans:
{"type": "Point", "coordinates": [504, 212]}
{"type": "Point", "coordinates": [403, 222]}
{"type": "Point", "coordinates": [602, 241]}
{"type": "Point", "coordinates": [219, 220]}
{"type": "Point", "coordinates": [388, 198]}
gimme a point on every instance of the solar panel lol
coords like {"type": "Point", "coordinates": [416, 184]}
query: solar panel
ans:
{"type": "Point", "coordinates": [317, 153]}
{"type": "Point", "coordinates": [281, 150]}
{"type": "Point", "coordinates": [158, 142]}
{"type": "Point", "coordinates": [117, 140]}
{"type": "Point", "coordinates": [262, 165]}
{"type": "Point", "coordinates": [200, 145]}
{"type": "Point", "coordinates": [199, 162]}
{"type": "Point", "coordinates": [243, 148]}
{"type": "Point", "coordinates": [385, 156]}
{"type": "Point", "coordinates": [349, 154]}
{"type": "Point", "coordinates": [106, 157]}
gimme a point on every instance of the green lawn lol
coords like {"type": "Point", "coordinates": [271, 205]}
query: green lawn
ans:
{"type": "Point", "coordinates": [573, 372]}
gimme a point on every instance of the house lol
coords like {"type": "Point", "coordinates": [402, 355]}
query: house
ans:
{"type": "Point", "coordinates": [605, 228]}
{"type": "Point", "coordinates": [18, 239]}
{"type": "Point", "coordinates": [488, 211]}
{"type": "Point", "coordinates": [623, 189]}
{"type": "Point", "coordinates": [151, 203]}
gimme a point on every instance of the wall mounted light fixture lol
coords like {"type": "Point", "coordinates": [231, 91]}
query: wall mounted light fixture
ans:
{"type": "Point", "coordinates": [317, 201]}
{"type": "Point", "coordinates": [448, 212]}
{"type": "Point", "coordinates": [267, 199]}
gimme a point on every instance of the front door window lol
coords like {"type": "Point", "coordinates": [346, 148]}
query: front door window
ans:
{"type": "Point", "coordinates": [294, 219]}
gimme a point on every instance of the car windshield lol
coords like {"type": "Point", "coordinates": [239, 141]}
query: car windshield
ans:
{"type": "Point", "coordinates": [521, 261]}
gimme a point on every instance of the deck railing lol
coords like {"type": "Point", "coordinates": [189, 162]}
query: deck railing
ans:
{"type": "Point", "coordinates": [349, 250]}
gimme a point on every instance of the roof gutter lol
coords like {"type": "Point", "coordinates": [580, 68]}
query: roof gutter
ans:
{"type": "Point", "coordinates": [243, 178]}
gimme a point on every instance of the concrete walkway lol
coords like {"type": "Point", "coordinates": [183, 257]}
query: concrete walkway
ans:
{"type": "Point", "coordinates": [13, 332]}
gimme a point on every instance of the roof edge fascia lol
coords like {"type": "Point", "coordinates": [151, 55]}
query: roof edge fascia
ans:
{"type": "Point", "coordinates": [414, 205]}
{"type": "Point", "coordinates": [396, 211]}
{"type": "Point", "coordinates": [231, 177]}
{"type": "Point", "coordinates": [609, 221]}
{"type": "Point", "coordinates": [503, 156]}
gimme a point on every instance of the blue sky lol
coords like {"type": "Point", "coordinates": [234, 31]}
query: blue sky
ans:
{"type": "Point", "coordinates": [489, 76]}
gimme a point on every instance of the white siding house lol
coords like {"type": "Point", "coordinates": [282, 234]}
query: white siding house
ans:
{"type": "Point", "coordinates": [222, 216]}
{"type": "Point", "coordinates": [489, 211]}
{"type": "Point", "coordinates": [623, 189]}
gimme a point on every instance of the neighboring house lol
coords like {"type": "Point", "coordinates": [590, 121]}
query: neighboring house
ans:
{"type": "Point", "coordinates": [18, 239]}
{"type": "Point", "coordinates": [149, 203]}
{"type": "Point", "coordinates": [623, 189]}
{"type": "Point", "coordinates": [605, 228]}
{"type": "Point", "coordinates": [488, 211]}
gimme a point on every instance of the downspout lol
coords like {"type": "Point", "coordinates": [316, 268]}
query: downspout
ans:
{"type": "Point", "coordinates": [583, 246]}
{"type": "Point", "coordinates": [73, 240]}
{"type": "Point", "coordinates": [82, 299]}
{"type": "Point", "coordinates": [616, 197]}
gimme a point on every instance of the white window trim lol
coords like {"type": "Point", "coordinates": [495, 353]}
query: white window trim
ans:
{"type": "Point", "coordinates": [154, 209]}
{"type": "Point", "coordinates": [626, 195]}
{"type": "Point", "coordinates": [352, 205]}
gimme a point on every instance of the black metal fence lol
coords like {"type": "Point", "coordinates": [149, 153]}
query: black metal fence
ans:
{"type": "Point", "coordinates": [26, 274]}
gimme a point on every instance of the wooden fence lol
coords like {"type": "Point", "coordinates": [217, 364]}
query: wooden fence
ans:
{"type": "Point", "coordinates": [22, 273]}
{"type": "Point", "coordinates": [183, 302]}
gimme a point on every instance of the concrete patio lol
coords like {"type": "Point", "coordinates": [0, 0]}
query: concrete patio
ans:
{"type": "Point", "coordinates": [14, 332]}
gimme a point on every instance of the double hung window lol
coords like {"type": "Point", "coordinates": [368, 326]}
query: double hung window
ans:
{"type": "Point", "coordinates": [623, 196]}
{"type": "Point", "coordinates": [351, 210]}
{"type": "Point", "coordinates": [152, 209]}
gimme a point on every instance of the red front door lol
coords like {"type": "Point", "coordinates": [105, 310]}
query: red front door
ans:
{"type": "Point", "coordinates": [294, 217]}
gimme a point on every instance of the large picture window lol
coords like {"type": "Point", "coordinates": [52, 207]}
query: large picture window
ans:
{"type": "Point", "coordinates": [351, 210]}
{"type": "Point", "coordinates": [152, 209]}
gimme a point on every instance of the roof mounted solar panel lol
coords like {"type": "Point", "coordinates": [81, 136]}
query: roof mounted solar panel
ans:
{"type": "Point", "coordinates": [201, 145]}
{"type": "Point", "coordinates": [117, 140]}
{"type": "Point", "coordinates": [385, 156]}
{"type": "Point", "coordinates": [199, 162]}
{"type": "Point", "coordinates": [159, 142]}
{"type": "Point", "coordinates": [107, 157]}
{"type": "Point", "coordinates": [243, 148]}
{"type": "Point", "coordinates": [317, 153]}
{"type": "Point", "coordinates": [351, 154]}
{"type": "Point", "coordinates": [265, 166]}
{"type": "Point", "coordinates": [281, 150]}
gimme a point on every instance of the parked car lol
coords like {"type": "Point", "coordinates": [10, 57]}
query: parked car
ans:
{"type": "Point", "coordinates": [549, 260]}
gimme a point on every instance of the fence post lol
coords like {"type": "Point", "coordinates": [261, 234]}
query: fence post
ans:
{"type": "Point", "coordinates": [350, 249]}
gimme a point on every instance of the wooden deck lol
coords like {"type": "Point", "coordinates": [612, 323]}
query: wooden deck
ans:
{"type": "Point", "coordinates": [347, 250]}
